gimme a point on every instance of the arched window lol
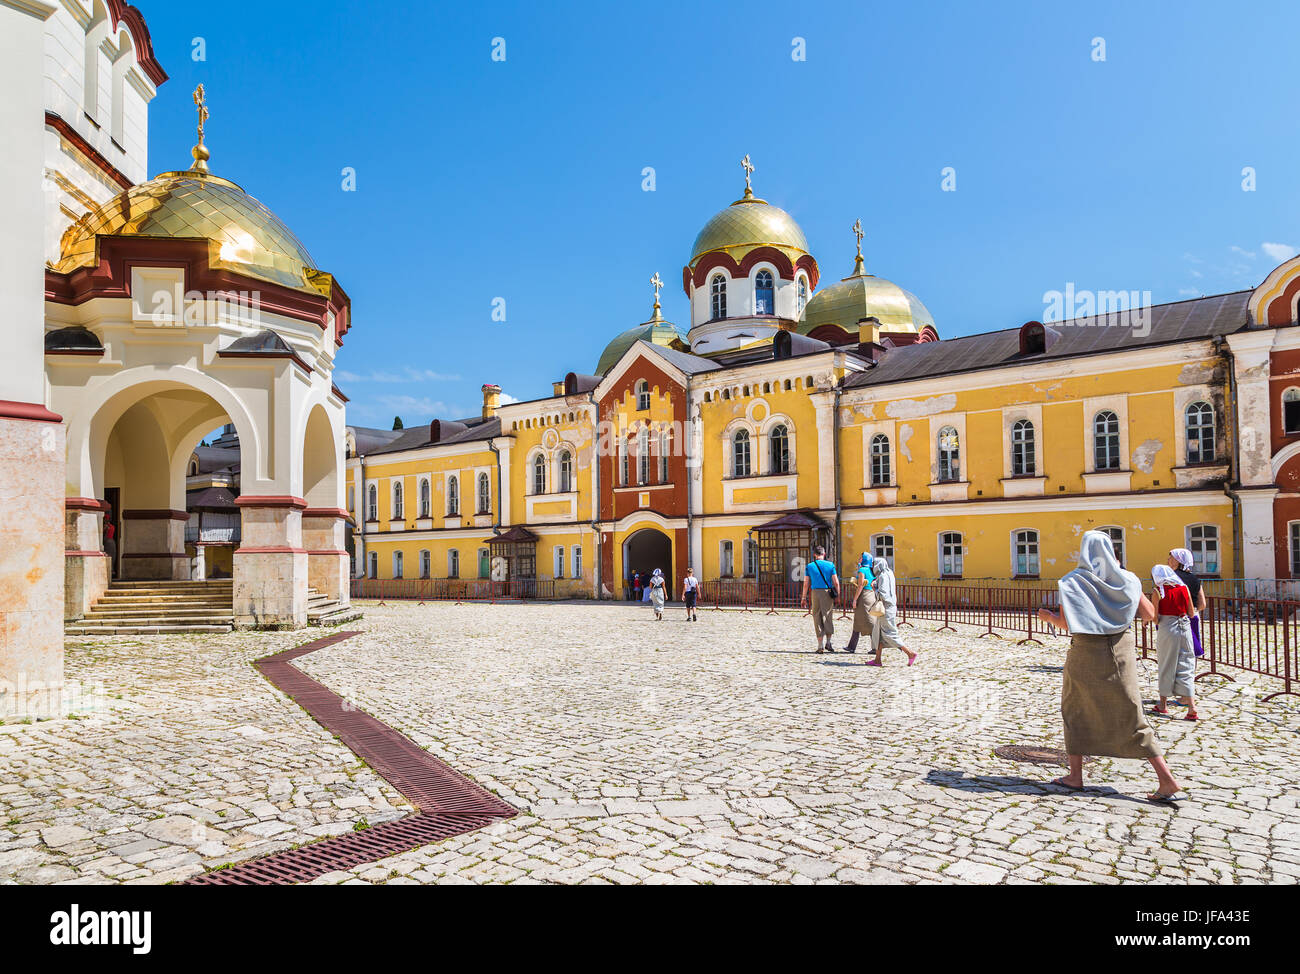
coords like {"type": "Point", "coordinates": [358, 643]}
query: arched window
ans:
{"type": "Point", "coordinates": [665, 447]}
{"type": "Point", "coordinates": [484, 494]}
{"type": "Point", "coordinates": [881, 471]}
{"type": "Point", "coordinates": [1203, 542]}
{"type": "Point", "coordinates": [372, 505]}
{"type": "Point", "coordinates": [1116, 536]}
{"type": "Point", "coordinates": [718, 296]}
{"type": "Point", "coordinates": [1023, 463]}
{"type": "Point", "coordinates": [1291, 411]}
{"type": "Point", "coordinates": [803, 294]}
{"type": "Point", "coordinates": [1105, 440]}
{"type": "Point", "coordinates": [539, 474]}
{"type": "Point", "coordinates": [453, 563]}
{"type": "Point", "coordinates": [643, 456]}
{"type": "Point", "coordinates": [453, 496]}
{"type": "Point", "coordinates": [949, 455]}
{"type": "Point", "coordinates": [1200, 433]}
{"type": "Point", "coordinates": [882, 546]}
{"type": "Point", "coordinates": [424, 563]}
{"type": "Point", "coordinates": [374, 564]}
{"type": "Point", "coordinates": [397, 500]}
{"type": "Point", "coordinates": [950, 554]}
{"type": "Point", "coordinates": [780, 444]}
{"type": "Point", "coordinates": [643, 395]}
{"type": "Point", "coordinates": [397, 564]}
{"type": "Point", "coordinates": [565, 469]}
{"type": "Point", "coordinates": [622, 461]}
{"type": "Point", "coordinates": [1025, 553]}
{"type": "Point", "coordinates": [424, 498]}
{"type": "Point", "coordinates": [740, 454]}
{"type": "Point", "coordinates": [764, 294]}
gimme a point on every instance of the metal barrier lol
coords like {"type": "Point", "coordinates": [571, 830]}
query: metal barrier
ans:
{"type": "Point", "coordinates": [454, 589]}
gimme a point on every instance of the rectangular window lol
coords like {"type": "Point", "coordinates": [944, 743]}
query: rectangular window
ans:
{"type": "Point", "coordinates": [1291, 411]}
{"type": "Point", "coordinates": [484, 563]}
{"type": "Point", "coordinates": [882, 546]}
{"type": "Point", "coordinates": [1116, 536]}
{"type": "Point", "coordinates": [1026, 554]}
{"type": "Point", "coordinates": [397, 564]}
{"type": "Point", "coordinates": [726, 561]}
{"type": "Point", "coordinates": [559, 562]}
{"type": "Point", "coordinates": [352, 500]}
{"type": "Point", "coordinates": [424, 564]}
{"type": "Point", "coordinates": [1203, 542]}
{"type": "Point", "coordinates": [577, 562]}
{"type": "Point", "coordinates": [950, 554]}
{"type": "Point", "coordinates": [453, 563]}
{"type": "Point", "coordinates": [751, 558]}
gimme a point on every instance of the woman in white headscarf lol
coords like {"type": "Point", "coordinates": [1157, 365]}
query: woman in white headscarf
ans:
{"type": "Point", "coordinates": [1100, 703]}
{"type": "Point", "coordinates": [1184, 566]}
{"type": "Point", "coordinates": [1174, 654]}
{"type": "Point", "coordinates": [658, 592]}
{"type": "Point", "coordinates": [886, 631]}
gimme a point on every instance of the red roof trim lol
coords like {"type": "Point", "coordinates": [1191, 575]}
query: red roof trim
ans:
{"type": "Point", "coordinates": [60, 125]}
{"type": "Point", "coordinates": [144, 56]}
{"type": "Point", "coordinates": [35, 411]}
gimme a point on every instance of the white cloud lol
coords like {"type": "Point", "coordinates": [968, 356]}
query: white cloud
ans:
{"type": "Point", "coordinates": [1278, 251]}
{"type": "Point", "coordinates": [406, 375]}
{"type": "Point", "coordinates": [1250, 254]}
{"type": "Point", "coordinates": [506, 399]}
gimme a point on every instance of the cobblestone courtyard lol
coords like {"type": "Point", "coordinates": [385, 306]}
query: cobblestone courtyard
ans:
{"type": "Point", "coordinates": [719, 751]}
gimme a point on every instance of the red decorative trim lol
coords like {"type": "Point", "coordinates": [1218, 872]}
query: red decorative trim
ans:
{"type": "Point", "coordinates": [832, 334]}
{"type": "Point", "coordinates": [97, 352]}
{"type": "Point", "coordinates": [272, 550]}
{"type": "Point", "coordinates": [159, 515]}
{"type": "Point", "coordinates": [327, 551]}
{"type": "Point", "coordinates": [334, 512]}
{"type": "Point", "coordinates": [34, 411]}
{"type": "Point", "coordinates": [291, 356]}
{"type": "Point", "coordinates": [125, 13]}
{"type": "Point", "coordinates": [784, 266]}
{"type": "Point", "coordinates": [85, 554]}
{"type": "Point", "coordinates": [60, 125]}
{"type": "Point", "coordinates": [339, 392]}
{"type": "Point", "coordinates": [155, 554]}
{"type": "Point", "coordinates": [111, 278]}
{"type": "Point", "coordinates": [84, 504]}
{"type": "Point", "coordinates": [269, 500]}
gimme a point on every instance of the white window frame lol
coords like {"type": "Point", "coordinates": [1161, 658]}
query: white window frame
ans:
{"type": "Point", "coordinates": [642, 395]}
{"type": "Point", "coordinates": [882, 546]}
{"type": "Point", "coordinates": [1200, 565]}
{"type": "Point", "coordinates": [1029, 538]}
{"type": "Point", "coordinates": [1121, 549]}
{"type": "Point", "coordinates": [577, 561]}
{"type": "Point", "coordinates": [557, 560]}
{"type": "Point", "coordinates": [397, 564]}
{"type": "Point", "coordinates": [484, 496]}
{"type": "Point", "coordinates": [960, 553]}
{"type": "Point", "coordinates": [426, 563]}
{"type": "Point", "coordinates": [397, 500]}
{"type": "Point", "coordinates": [1187, 431]}
{"type": "Point", "coordinates": [453, 563]}
{"type": "Point", "coordinates": [726, 559]}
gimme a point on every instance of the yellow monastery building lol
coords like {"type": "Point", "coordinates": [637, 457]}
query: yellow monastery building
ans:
{"type": "Point", "coordinates": [794, 411]}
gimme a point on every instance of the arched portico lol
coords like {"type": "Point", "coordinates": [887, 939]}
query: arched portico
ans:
{"type": "Point", "coordinates": [646, 549]}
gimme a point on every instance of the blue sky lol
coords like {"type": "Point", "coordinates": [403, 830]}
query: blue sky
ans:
{"type": "Point", "coordinates": [522, 179]}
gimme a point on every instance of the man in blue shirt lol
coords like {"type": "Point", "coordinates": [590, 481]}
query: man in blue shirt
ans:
{"type": "Point", "coordinates": [824, 584]}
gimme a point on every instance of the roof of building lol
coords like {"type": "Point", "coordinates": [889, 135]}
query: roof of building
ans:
{"type": "Point", "coordinates": [1162, 324]}
{"type": "Point", "coordinates": [457, 431]}
{"type": "Point", "coordinates": [213, 458]}
{"type": "Point", "coordinates": [369, 439]}
{"type": "Point", "coordinates": [862, 295]}
{"type": "Point", "coordinates": [746, 224]}
{"type": "Point", "coordinates": [211, 499]}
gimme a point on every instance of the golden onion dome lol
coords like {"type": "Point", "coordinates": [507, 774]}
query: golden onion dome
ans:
{"type": "Point", "coordinates": [656, 331]}
{"type": "Point", "coordinates": [746, 224]}
{"type": "Point", "coordinates": [243, 235]}
{"type": "Point", "coordinates": [862, 295]}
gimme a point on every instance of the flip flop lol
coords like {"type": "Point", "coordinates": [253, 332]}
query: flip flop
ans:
{"type": "Point", "coordinates": [872, 662]}
{"type": "Point", "coordinates": [915, 657]}
{"type": "Point", "coordinates": [1062, 783]}
{"type": "Point", "coordinates": [1192, 716]}
{"type": "Point", "coordinates": [1160, 798]}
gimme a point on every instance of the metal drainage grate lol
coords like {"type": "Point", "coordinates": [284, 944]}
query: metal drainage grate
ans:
{"type": "Point", "coordinates": [1035, 755]}
{"type": "Point", "coordinates": [450, 804]}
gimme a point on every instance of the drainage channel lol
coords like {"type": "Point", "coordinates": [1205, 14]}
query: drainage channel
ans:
{"type": "Point", "coordinates": [449, 803]}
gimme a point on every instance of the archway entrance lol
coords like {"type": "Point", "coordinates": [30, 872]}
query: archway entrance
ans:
{"type": "Point", "coordinates": [644, 551]}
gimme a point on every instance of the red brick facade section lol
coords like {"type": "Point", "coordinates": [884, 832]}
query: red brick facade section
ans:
{"type": "Point", "coordinates": [670, 501]}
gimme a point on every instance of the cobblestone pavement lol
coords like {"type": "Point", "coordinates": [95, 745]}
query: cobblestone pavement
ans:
{"type": "Point", "coordinates": [721, 751]}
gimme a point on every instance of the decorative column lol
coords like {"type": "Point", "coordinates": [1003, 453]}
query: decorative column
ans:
{"type": "Point", "coordinates": [271, 564]}
{"type": "Point", "coordinates": [324, 535]}
{"type": "Point", "coordinates": [824, 404]}
{"type": "Point", "coordinates": [153, 545]}
{"type": "Point", "coordinates": [1252, 369]}
{"type": "Point", "coordinates": [86, 567]}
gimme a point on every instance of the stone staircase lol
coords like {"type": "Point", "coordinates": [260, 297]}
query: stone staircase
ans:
{"type": "Point", "coordinates": [140, 608]}
{"type": "Point", "coordinates": [135, 608]}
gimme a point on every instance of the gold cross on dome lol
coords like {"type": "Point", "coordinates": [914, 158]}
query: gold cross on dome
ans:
{"type": "Point", "coordinates": [656, 282]}
{"type": "Point", "coordinates": [748, 166]}
{"type": "Point", "coordinates": [201, 102]}
{"type": "Point", "coordinates": [857, 232]}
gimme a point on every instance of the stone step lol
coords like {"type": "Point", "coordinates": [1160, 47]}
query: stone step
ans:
{"type": "Point", "coordinates": [78, 629]}
{"type": "Point", "coordinates": [172, 586]}
{"type": "Point", "coordinates": [123, 598]}
{"type": "Point", "coordinates": [150, 622]}
{"type": "Point", "coordinates": [332, 614]}
{"type": "Point", "coordinates": [135, 611]}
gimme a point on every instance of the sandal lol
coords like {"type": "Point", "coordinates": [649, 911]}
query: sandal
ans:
{"type": "Point", "coordinates": [1192, 716]}
{"type": "Point", "coordinates": [873, 662]}
{"type": "Point", "coordinates": [1163, 798]}
{"type": "Point", "coordinates": [1162, 711]}
{"type": "Point", "coordinates": [1062, 783]}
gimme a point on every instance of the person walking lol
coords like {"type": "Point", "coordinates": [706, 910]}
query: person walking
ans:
{"type": "Point", "coordinates": [885, 633]}
{"type": "Point", "coordinates": [864, 597]}
{"type": "Point", "coordinates": [690, 594]}
{"type": "Point", "coordinates": [821, 581]}
{"type": "Point", "coordinates": [1100, 704]}
{"type": "Point", "coordinates": [636, 586]}
{"type": "Point", "coordinates": [1175, 658]}
{"type": "Point", "coordinates": [110, 543]}
{"type": "Point", "coordinates": [1184, 566]}
{"type": "Point", "coordinates": [658, 593]}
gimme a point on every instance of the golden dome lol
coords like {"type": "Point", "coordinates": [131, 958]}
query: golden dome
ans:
{"type": "Point", "coordinates": [656, 331]}
{"type": "Point", "coordinates": [746, 224]}
{"type": "Point", "coordinates": [862, 295]}
{"type": "Point", "coordinates": [243, 235]}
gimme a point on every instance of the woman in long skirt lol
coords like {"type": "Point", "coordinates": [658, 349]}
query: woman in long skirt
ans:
{"type": "Point", "coordinates": [1184, 566]}
{"type": "Point", "coordinates": [864, 597]}
{"type": "Point", "coordinates": [658, 592]}
{"type": "Point", "coordinates": [1175, 654]}
{"type": "Point", "coordinates": [1100, 703]}
{"type": "Point", "coordinates": [886, 631]}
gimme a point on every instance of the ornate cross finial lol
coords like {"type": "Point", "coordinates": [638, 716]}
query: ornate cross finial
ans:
{"type": "Point", "coordinates": [200, 151]}
{"type": "Point", "coordinates": [857, 232]}
{"type": "Point", "coordinates": [748, 166]}
{"type": "Point", "coordinates": [656, 282]}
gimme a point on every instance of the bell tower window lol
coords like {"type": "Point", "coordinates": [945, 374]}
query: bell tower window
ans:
{"type": "Point", "coordinates": [718, 296]}
{"type": "Point", "coordinates": [764, 294]}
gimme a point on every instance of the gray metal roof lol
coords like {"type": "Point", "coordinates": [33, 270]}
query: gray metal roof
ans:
{"type": "Point", "coordinates": [1195, 320]}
